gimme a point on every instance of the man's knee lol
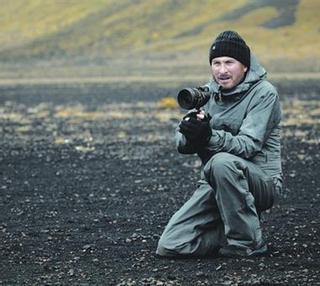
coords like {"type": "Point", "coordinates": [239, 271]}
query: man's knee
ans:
{"type": "Point", "coordinates": [219, 165]}
{"type": "Point", "coordinates": [165, 248]}
{"type": "Point", "coordinates": [163, 251]}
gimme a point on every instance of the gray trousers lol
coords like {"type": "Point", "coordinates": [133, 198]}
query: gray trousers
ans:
{"type": "Point", "coordinates": [223, 210]}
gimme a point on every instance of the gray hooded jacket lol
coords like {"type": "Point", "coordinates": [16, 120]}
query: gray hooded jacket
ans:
{"type": "Point", "coordinates": [245, 122]}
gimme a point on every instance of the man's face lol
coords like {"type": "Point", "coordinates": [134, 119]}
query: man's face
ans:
{"type": "Point", "coordinates": [227, 71]}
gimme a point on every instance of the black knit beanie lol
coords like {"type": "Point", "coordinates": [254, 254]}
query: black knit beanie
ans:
{"type": "Point", "coordinates": [230, 44]}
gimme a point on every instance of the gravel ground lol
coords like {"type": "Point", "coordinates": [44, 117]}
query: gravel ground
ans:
{"type": "Point", "coordinates": [90, 177]}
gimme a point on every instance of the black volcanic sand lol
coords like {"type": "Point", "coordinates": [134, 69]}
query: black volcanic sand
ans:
{"type": "Point", "coordinates": [90, 177]}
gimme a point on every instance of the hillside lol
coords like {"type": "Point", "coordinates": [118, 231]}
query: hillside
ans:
{"type": "Point", "coordinates": [159, 32]}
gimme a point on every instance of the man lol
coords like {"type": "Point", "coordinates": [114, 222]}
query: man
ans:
{"type": "Point", "coordinates": [237, 137]}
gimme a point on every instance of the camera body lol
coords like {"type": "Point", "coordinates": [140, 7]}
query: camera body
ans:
{"type": "Point", "coordinates": [190, 98]}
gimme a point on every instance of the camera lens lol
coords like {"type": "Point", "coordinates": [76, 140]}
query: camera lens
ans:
{"type": "Point", "coordinates": [186, 98]}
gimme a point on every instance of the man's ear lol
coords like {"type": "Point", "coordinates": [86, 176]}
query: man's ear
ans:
{"type": "Point", "coordinates": [245, 69]}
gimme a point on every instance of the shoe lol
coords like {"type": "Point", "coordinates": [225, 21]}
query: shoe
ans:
{"type": "Point", "coordinates": [242, 251]}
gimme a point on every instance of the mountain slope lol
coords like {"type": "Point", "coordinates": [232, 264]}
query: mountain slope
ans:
{"type": "Point", "coordinates": [160, 29]}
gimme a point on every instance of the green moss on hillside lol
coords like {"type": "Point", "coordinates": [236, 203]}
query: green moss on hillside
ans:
{"type": "Point", "coordinates": [43, 29]}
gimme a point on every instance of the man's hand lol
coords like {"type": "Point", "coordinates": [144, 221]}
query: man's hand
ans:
{"type": "Point", "coordinates": [196, 128]}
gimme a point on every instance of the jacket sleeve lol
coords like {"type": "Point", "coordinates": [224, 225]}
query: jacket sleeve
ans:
{"type": "Point", "coordinates": [263, 114]}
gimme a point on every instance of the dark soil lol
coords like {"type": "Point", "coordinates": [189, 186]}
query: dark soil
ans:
{"type": "Point", "coordinates": [90, 177]}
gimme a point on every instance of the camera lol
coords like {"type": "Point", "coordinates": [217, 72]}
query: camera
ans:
{"type": "Point", "coordinates": [190, 98]}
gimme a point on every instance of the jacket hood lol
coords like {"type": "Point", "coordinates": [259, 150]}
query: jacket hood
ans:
{"type": "Point", "coordinates": [254, 74]}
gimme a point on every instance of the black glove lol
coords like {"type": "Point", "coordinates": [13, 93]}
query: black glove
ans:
{"type": "Point", "coordinates": [197, 132]}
